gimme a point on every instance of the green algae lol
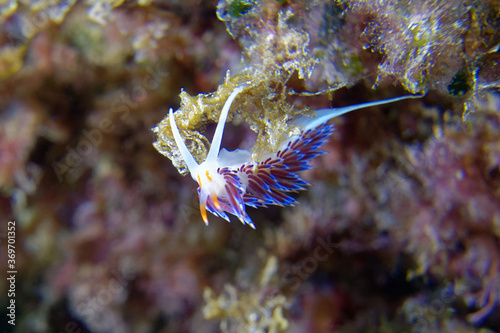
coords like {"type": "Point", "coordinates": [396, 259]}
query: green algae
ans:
{"type": "Point", "coordinates": [238, 8]}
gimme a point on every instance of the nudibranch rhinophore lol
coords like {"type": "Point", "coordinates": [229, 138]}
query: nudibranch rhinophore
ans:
{"type": "Point", "coordinates": [230, 180]}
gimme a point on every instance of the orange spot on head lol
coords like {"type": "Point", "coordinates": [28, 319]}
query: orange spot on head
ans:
{"type": "Point", "coordinates": [216, 201]}
{"type": "Point", "coordinates": [199, 180]}
{"type": "Point", "coordinates": [208, 176]}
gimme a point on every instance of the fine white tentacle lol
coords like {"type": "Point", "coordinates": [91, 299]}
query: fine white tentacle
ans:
{"type": "Point", "coordinates": [186, 155]}
{"type": "Point", "coordinates": [219, 131]}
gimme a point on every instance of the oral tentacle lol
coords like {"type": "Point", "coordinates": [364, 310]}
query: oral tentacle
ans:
{"type": "Point", "coordinates": [203, 206]}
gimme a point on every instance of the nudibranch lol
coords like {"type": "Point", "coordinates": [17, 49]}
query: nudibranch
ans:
{"type": "Point", "coordinates": [230, 180]}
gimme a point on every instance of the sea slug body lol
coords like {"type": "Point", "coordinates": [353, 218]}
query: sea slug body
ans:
{"type": "Point", "coordinates": [230, 180]}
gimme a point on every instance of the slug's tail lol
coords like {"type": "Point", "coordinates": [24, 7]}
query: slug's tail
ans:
{"type": "Point", "coordinates": [322, 116]}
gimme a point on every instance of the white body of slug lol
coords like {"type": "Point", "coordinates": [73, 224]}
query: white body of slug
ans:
{"type": "Point", "coordinates": [229, 181]}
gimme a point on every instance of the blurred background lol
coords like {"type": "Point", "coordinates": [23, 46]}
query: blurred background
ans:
{"type": "Point", "coordinates": [398, 232]}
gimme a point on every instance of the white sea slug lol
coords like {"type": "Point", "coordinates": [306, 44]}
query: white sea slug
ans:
{"type": "Point", "coordinates": [230, 180]}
